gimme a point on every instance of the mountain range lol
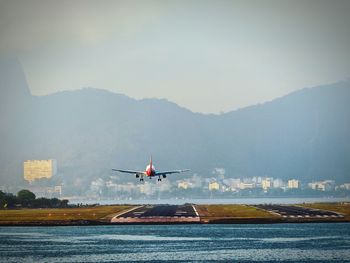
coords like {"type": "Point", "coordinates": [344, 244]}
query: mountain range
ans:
{"type": "Point", "coordinates": [303, 135]}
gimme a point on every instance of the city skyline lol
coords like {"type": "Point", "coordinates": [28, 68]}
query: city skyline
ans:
{"type": "Point", "coordinates": [41, 176]}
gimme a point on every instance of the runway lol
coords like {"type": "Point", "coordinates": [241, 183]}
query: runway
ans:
{"type": "Point", "coordinates": [291, 211]}
{"type": "Point", "coordinates": [159, 214]}
{"type": "Point", "coordinates": [175, 214]}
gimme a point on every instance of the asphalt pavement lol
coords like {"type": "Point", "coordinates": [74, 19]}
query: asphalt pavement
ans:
{"type": "Point", "coordinates": [291, 211]}
{"type": "Point", "coordinates": [158, 214]}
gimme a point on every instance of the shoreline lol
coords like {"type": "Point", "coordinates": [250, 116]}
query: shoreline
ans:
{"type": "Point", "coordinates": [236, 200]}
{"type": "Point", "coordinates": [201, 222]}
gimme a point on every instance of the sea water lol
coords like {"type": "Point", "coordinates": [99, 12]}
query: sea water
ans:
{"type": "Point", "coordinates": [242, 200]}
{"type": "Point", "coordinates": [322, 242]}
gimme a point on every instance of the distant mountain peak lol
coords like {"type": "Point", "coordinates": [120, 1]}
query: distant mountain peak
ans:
{"type": "Point", "coordinates": [13, 84]}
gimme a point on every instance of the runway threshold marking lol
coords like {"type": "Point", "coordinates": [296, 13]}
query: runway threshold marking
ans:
{"type": "Point", "coordinates": [294, 211]}
{"type": "Point", "coordinates": [195, 210]}
{"type": "Point", "coordinates": [125, 212]}
{"type": "Point", "coordinates": [159, 214]}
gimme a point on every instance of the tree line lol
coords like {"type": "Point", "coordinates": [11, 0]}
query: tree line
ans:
{"type": "Point", "coordinates": [27, 199]}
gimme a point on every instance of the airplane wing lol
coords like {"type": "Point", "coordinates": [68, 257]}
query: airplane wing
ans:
{"type": "Point", "coordinates": [128, 171]}
{"type": "Point", "coordinates": [172, 172]}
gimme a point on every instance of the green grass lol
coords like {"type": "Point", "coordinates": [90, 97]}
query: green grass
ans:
{"type": "Point", "coordinates": [58, 214]}
{"type": "Point", "coordinates": [231, 211]}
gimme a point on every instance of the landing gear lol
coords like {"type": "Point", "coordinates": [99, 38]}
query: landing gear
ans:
{"type": "Point", "coordinates": [141, 179]}
{"type": "Point", "coordinates": [159, 179]}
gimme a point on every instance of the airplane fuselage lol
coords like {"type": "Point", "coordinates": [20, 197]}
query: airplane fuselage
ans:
{"type": "Point", "coordinates": [150, 171]}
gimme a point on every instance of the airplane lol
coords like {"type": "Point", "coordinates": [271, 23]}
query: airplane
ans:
{"type": "Point", "coordinates": [150, 172]}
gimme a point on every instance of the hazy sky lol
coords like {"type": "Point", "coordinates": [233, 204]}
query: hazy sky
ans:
{"type": "Point", "coordinates": [208, 56]}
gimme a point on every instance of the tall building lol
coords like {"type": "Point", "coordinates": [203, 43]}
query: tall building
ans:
{"type": "Point", "coordinates": [327, 185]}
{"type": "Point", "coordinates": [38, 169]}
{"type": "Point", "coordinates": [214, 186]}
{"type": "Point", "coordinates": [278, 183]}
{"type": "Point", "coordinates": [266, 183]}
{"type": "Point", "coordinates": [293, 184]}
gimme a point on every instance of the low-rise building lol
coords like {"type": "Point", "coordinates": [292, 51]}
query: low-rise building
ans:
{"type": "Point", "coordinates": [183, 185]}
{"type": "Point", "coordinates": [246, 185]}
{"type": "Point", "coordinates": [231, 184]}
{"type": "Point", "coordinates": [278, 183]}
{"type": "Point", "coordinates": [327, 185]}
{"type": "Point", "coordinates": [47, 191]}
{"type": "Point", "coordinates": [345, 186]}
{"type": "Point", "coordinates": [293, 184]}
{"type": "Point", "coordinates": [214, 186]}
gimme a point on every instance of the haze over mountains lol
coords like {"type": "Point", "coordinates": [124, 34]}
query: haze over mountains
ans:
{"type": "Point", "coordinates": [304, 135]}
